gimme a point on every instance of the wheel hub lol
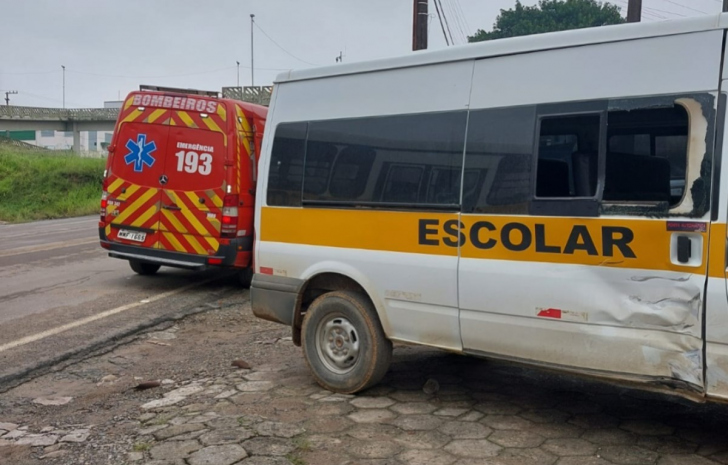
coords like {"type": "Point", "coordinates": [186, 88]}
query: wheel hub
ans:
{"type": "Point", "coordinates": [337, 343]}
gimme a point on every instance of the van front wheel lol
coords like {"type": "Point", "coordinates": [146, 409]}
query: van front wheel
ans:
{"type": "Point", "coordinates": [143, 268]}
{"type": "Point", "coordinates": [344, 343]}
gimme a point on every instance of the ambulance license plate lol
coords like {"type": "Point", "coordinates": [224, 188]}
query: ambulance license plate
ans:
{"type": "Point", "coordinates": [131, 235]}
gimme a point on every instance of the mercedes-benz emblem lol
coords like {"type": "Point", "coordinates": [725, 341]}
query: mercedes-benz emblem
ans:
{"type": "Point", "coordinates": [163, 179]}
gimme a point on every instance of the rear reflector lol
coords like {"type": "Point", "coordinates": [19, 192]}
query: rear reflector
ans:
{"type": "Point", "coordinates": [266, 270]}
{"type": "Point", "coordinates": [214, 261]}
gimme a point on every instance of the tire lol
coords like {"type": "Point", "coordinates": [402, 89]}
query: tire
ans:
{"type": "Point", "coordinates": [143, 268]}
{"type": "Point", "coordinates": [336, 325]}
{"type": "Point", "coordinates": [245, 277]}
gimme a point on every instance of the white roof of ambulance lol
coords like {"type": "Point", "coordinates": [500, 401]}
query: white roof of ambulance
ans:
{"type": "Point", "coordinates": [515, 45]}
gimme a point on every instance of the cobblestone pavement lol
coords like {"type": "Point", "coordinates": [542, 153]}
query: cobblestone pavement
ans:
{"type": "Point", "coordinates": [484, 412]}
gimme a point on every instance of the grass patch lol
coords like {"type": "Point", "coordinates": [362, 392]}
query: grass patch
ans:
{"type": "Point", "coordinates": [141, 447]}
{"type": "Point", "coordinates": [295, 459]}
{"type": "Point", "coordinates": [44, 185]}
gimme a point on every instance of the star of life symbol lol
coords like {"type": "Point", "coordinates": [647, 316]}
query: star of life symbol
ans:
{"type": "Point", "coordinates": [140, 153]}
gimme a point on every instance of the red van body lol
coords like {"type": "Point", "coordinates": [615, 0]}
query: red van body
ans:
{"type": "Point", "coordinates": [179, 185]}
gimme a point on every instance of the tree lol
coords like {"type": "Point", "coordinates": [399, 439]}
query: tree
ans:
{"type": "Point", "coordinates": [550, 16]}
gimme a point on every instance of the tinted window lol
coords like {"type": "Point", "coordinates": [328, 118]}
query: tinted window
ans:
{"type": "Point", "coordinates": [498, 162]}
{"type": "Point", "coordinates": [568, 156]}
{"type": "Point", "coordinates": [404, 159]}
{"type": "Point", "coordinates": [647, 156]}
{"type": "Point", "coordinates": [285, 177]}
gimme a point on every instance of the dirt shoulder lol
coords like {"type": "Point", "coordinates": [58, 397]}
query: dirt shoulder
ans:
{"type": "Point", "coordinates": [207, 411]}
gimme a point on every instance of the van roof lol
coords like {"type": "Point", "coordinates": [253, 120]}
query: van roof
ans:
{"type": "Point", "coordinates": [516, 45]}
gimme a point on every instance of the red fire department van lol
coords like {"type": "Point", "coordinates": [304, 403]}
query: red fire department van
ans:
{"type": "Point", "coordinates": [180, 179]}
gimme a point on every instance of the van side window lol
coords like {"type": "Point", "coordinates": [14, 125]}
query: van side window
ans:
{"type": "Point", "coordinates": [498, 160]}
{"type": "Point", "coordinates": [647, 155]}
{"type": "Point", "coordinates": [387, 161]}
{"type": "Point", "coordinates": [568, 156]}
{"type": "Point", "coordinates": [285, 177]}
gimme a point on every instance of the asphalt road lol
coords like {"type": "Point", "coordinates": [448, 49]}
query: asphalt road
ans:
{"type": "Point", "coordinates": [62, 297]}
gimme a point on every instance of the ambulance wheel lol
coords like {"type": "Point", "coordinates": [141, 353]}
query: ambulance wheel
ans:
{"type": "Point", "coordinates": [143, 268]}
{"type": "Point", "coordinates": [344, 343]}
{"type": "Point", "coordinates": [245, 277]}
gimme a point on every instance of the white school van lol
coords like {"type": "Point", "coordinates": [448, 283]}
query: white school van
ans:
{"type": "Point", "coordinates": [558, 200]}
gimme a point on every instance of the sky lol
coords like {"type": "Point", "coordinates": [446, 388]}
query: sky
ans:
{"type": "Point", "coordinates": [110, 47]}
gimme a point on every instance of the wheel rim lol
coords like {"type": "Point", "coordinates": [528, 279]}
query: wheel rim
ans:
{"type": "Point", "coordinates": [337, 344]}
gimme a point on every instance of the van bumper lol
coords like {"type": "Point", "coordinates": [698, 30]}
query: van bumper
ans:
{"type": "Point", "coordinates": [275, 298]}
{"type": "Point", "coordinates": [227, 253]}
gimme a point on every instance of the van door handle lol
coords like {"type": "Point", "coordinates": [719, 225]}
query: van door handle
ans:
{"type": "Point", "coordinates": [171, 207]}
{"type": "Point", "coordinates": [683, 249]}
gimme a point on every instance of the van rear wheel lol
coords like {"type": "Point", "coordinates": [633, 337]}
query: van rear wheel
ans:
{"type": "Point", "coordinates": [143, 268]}
{"type": "Point", "coordinates": [344, 343]}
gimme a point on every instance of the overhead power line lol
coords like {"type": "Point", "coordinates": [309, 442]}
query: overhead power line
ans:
{"type": "Point", "coordinates": [279, 46]}
{"type": "Point", "coordinates": [442, 25]}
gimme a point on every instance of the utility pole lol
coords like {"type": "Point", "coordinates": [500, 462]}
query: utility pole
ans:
{"type": "Point", "coordinates": [725, 6]}
{"type": "Point", "coordinates": [238, 72]}
{"type": "Point", "coordinates": [419, 25]}
{"type": "Point", "coordinates": [340, 58]}
{"type": "Point", "coordinates": [252, 66]}
{"type": "Point", "coordinates": [64, 86]}
{"type": "Point", "coordinates": [7, 96]}
{"type": "Point", "coordinates": [634, 11]}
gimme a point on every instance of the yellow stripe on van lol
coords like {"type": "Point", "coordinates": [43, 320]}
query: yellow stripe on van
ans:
{"type": "Point", "coordinates": [175, 243]}
{"type": "Point", "coordinates": [187, 119]}
{"type": "Point", "coordinates": [156, 114]}
{"type": "Point", "coordinates": [221, 112]}
{"type": "Point", "coordinates": [195, 245]}
{"type": "Point", "coordinates": [115, 185]}
{"type": "Point", "coordinates": [129, 192]}
{"type": "Point", "coordinates": [128, 211]}
{"type": "Point", "coordinates": [195, 200]}
{"type": "Point", "coordinates": [641, 243]}
{"type": "Point", "coordinates": [178, 227]}
{"type": "Point", "coordinates": [128, 103]}
{"type": "Point", "coordinates": [144, 217]}
{"type": "Point", "coordinates": [248, 133]}
{"type": "Point", "coordinates": [212, 125]}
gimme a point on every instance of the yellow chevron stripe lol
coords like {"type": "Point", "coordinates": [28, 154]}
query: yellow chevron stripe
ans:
{"type": "Point", "coordinates": [216, 200]}
{"type": "Point", "coordinates": [128, 103]}
{"type": "Point", "coordinates": [134, 114]}
{"type": "Point", "coordinates": [107, 230]}
{"type": "Point", "coordinates": [151, 192]}
{"type": "Point", "coordinates": [195, 199]}
{"type": "Point", "coordinates": [156, 114]}
{"type": "Point", "coordinates": [213, 243]}
{"type": "Point", "coordinates": [221, 112]}
{"type": "Point", "coordinates": [145, 216]}
{"type": "Point", "coordinates": [196, 245]}
{"type": "Point", "coordinates": [129, 192]}
{"type": "Point", "coordinates": [195, 222]}
{"type": "Point", "coordinates": [115, 185]}
{"type": "Point", "coordinates": [187, 119]}
{"type": "Point", "coordinates": [248, 136]}
{"type": "Point", "coordinates": [179, 227]}
{"type": "Point", "coordinates": [175, 243]}
{"type": "Point", "coordinates": [212, 125]}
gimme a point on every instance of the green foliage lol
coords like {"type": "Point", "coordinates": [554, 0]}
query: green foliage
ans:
{"type": "Point", "coordinates": [42, 185]}
{"type": "Point", "coordinates": [550, 16]}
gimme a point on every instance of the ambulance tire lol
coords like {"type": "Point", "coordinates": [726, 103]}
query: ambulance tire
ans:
{"type": "Point", "coordinates": [343, 342]}
{"type": "Point", "coordinates": [245, 277]}
{"type": "Point", "coordinates": [143, 268]}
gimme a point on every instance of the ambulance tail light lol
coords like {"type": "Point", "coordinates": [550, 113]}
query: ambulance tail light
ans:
{"type": "Point", "coordinates": [229, 226]}
{"type": "Point", "coordinates": [104, 199]}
